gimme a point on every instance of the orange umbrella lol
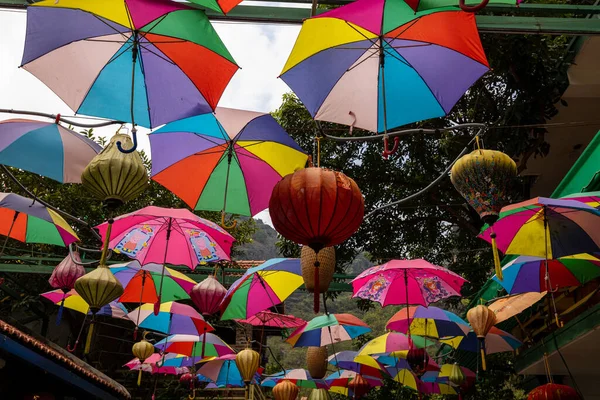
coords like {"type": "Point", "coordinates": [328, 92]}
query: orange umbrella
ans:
{"type": "Point", "coordinates": [508, 307]}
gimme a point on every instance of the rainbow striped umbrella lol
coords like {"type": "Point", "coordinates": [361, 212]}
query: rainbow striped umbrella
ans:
{"type": "Point", "coordinates": [262, 287]}
{"type": "Point", "coordinates": [228, 161]}
{"type": "Point", "coordinates": [172, 318]}
{"type": "Point", "coordinates": [364, 365]}
{"type": "Point", "coordinates": [392, 343]}
{"type": "Point", "coordinates": [328, 329]}
{"type": "Point", "coordinates": [29, 221]}
{"type": "Point", "coordinates": [73, 301]}
{"type": "Point", "coordinates": [428, 321]}
{"type": "Point", "coordinates": [496, 341]}
{"type": "Point", "coordinates": [338, 381]}
{"type": "Point", "coordinates": [191, 345]}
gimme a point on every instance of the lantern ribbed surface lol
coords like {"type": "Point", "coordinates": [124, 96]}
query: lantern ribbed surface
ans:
{"type": "Point", "coordinates": [142, 350]}
{"type": "Point", "coordinates": [319, 394]}
{"type": "Point", "coordinates": [66, 273]}
{"type": "Point", "coordinates": [207, 295]}
{"type": "Point", "coordinates": [359, 385]}
{"type": "Point", "coordinates": [285, 390]}
{"type": "Point", "coordinates": [326, 268]}
{"type": "Point", "coordinates": [456, 375]}
{"type": "Point", "coordinates": [483, 178]}
{"type": "Point", "coordinates": [316, 207]}
{"type": "Point", "coordinates": [553, 391]}
{"type": "Point", "coordinates": [113, 176]}
{"type": "Point", "coordinates": [98, 288]}
{"type": "Point", "coordinates": [481, 319]}
{"type": "Point", "coordinates": [316, 361]}
{"type": "Point", "coordinates": [247, 362]}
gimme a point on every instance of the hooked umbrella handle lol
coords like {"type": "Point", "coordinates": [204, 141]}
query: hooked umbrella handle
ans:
{"type": "Point", "coordinates": [472, 9]}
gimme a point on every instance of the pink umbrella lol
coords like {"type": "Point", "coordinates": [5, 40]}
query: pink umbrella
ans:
{"type": "Point", "coordinates": [167, 236]}
{"type": "Point", "coordinates": [150, 365]}
{"type": "Point", "coordinates": [407, 282]}
{"type": "Point", "coordinates": [274, 320]}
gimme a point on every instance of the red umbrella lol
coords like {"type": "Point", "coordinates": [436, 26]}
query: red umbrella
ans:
{"type": "Point", "coordinates": [274, 320]}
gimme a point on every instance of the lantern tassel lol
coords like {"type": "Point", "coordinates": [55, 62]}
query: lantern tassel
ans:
{"type": "Point", "coordinates": [482, 344]}
{"type": "Point", "coordinates": [139, 381]}
{"type": "Point", "coordinates": [88, 341]}
{"type": "Point", "coordinates": [497, 265]}
{"type": "Point", "coordinates": [316, 305]}
{"type": "Point", "coordinates": [60, 311]}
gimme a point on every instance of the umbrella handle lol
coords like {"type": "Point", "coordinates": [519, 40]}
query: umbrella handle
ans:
{"type": "Point", "coordinates": [472, 9]}
{"type": "Point", "coordinates": [386, 153]}
{"type": "Point", "coordinates": [223, 222]}
{"type": "Point", "coordinates": [135, 142]}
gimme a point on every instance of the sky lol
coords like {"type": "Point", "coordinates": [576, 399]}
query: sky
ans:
{"type": "Point", "coordinates": [259, 49]}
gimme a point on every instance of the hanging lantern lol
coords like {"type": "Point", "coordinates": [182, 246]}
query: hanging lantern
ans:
{"type": "Point", "coordinates": [418, 359]}
{"type": "Point", "coordinates": [481, 319]}
{"type": "Point", "coordinates": [186, 378]}
{"type": "Point", "coordinates": [142, 350]}
{"type": "Point", "coordinates": [207, 295]}
{"type": "Point", "coordinates": [552, 391]}
{"type": "Point", "coordinates": [359, 385]}
{"type": "Point", "coordinates": [456, 375]}
{"type": "Point", "coordinates": [64, 276]}
{"type": "Point", "coordinates": [115, 177]}
{"type": "Point", "coordinates": [316, 361]}
{"type": "Point", "coordinates": [483, 178]}
{"type": "Point", "coordinates": [247, 362]}
{"type": "Point", "coordinates": [319, 394]}
{"type": "Point", "coordinates": [326, 261]}
{"type": "Point", "coordinates": [285, 390]}
{"type": "Point", "coordinates": [318, 208]}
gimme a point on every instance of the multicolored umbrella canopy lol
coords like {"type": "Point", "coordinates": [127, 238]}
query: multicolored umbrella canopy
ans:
{"type": "Point", "coordinates": [29, 221]}
{"type": "Point", "coordinates": [535, 274]}
{"type": "Point", "coordinates": [191, 345]}
{"type": "Point", "coordinates": [299, 377]}
{"type": "Point", "coordinates": [508, 307]}
{"type": "Point", "coordinates": [391, 343]}
{"type": "Point", "coordinates": [386, 65]}
{"type": "Point", "coordinates": [428, 321]}
{"type": "Point", "coordinates": [172, 318]}
{"type": "Point", "coordinates": [327, 329]}
{"type": "Point", "coordinates": [227, 161]}
{"type": "Point", "coordinates": [347, 360]}
{"type": "Point", "coordinates": [223, 371]}
{"type": "Point", "coordinates": [446, 371]}
{"type": "Point", "coordinates": [148, 62]}
{"type": "Point", "coordinates": [46, 149]}
{"type": "Point", "coordinates": [407, 282]}
{"type": "Point", "coordinates": [156, 364]}
{"type": "Point", "coordinates": [141, 283]}
{"type": "Point", "coordinates": [273, 320]}
{"type": "Point", "coordinates": [262, 287]}
{"type": "Point", "coordinates": [404, 376]}
{"type": "Point", "coordinates": [168, 236]}
{"type": "Point", "coordinates": [223, 6]}
{"type": "Point", "coordinates": [397, 361]}
{"type": "Point", "coordinates": [73, 301]}
{"type": "Point", "coordinates": [342, 378]}
{"type": "Point", "coordinates": [548, 228]}
{"type": "Point", "coordinates": [422, 5]}
{"type": "Point", "coordinates": [496, 341]}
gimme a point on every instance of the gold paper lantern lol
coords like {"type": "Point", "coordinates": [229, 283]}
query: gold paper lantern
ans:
{"type": "Point", "coordinates": [316, 361]}
{"type": "Point", "coordinates": [285, 390]}
{"type": "Point", "coordinates": [142, 350]}
{"type": "Point", "coordinates": [481, 319]}
{"type": "Point", "coordinates": [456, 375]}
{"type": "Point", "coordinates": [319, 394]}
{"type": "Point", "coordinates": [326, 268]}
{"type": "Point", "coordinates": [247, 362]}
{"type": "Point", "coordinates": [115, 177]}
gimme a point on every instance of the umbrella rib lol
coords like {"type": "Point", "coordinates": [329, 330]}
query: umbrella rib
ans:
{"type": "Point", "coordinates": [156, 54]}
{"type": "Point", "coordinates": [157, 22]}
{"type": "Point", "coordinates": [409, 25]}
{"type": "Point", "coordinates": [374, 52]}
{"type": "Point", "coordinates": [111, 27]}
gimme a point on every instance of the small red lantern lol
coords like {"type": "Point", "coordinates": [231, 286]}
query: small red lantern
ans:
{"type": "Point", "coordinates": [553, 391]}
{"type": "Point", "coordinates": [418, 359]}
{"type": "Point", "coordinates": [359, 385]}
{"type": "Point", "coordinates": [207, 295]}
{"type": "Point", "coordinates": [186, 379]}
{"type": "Point", "coordinates": [64, 276]}
{"type": "Point", "coordinates": [318, 208]}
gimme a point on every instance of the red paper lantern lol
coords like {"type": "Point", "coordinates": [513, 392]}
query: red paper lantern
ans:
{"type": "Point", "coordinates": [66, 273]}
{"type": "Point", "coordinates": [418, 359]}
{"type": "Point", "coordinates": [207, 295]}
{"type": "Point", "coordinates": [553, 391]}
{"type": "Point", "coordinates": [186, 378]}
{"type": "Point", "coordinates": [318, 208]}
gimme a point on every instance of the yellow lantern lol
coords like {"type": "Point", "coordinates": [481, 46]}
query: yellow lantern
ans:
{"type": "Point", "coordinates": [319, 394]}
{"type": "Point", "coordinates": [142, 350]}
{"type": "Point", "coordinates": [115, 177]}
{"type": "Point", "coordinates": [481, 319]}
{"type": "Point", "coordinates": [247, 362]}
{"type": "Point", "coordinates": [316, 361]}
{"type": "Point", "coordinates": [285, 390]}
{"type": "Point", "coordinates": [456, 375]}
{"type": "Point", "coordinates": [483, 178]}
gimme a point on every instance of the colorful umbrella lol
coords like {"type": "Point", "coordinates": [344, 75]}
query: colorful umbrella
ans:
{"type": "Point", "coordinates": [548, 228]}
{"type": "Point", "coordinates": [590, 198]}
{"type": "Point", "coordinates": [404, 376]}
{"type": "Point", "coordinates": [341, 379]}
{"type": "Point", "coordinates": [273, 320]}
{"type": "Point", "coordinates": [396, 361]}
{"type": "Point", "coordinates": [147, 62]}
{"type": "Point", "coordinates": [223, 6]}
{"type": "Point", "coordinates": [29, 221]}
{"type": "Point", "coordinates": [391, 343]}
{"type": "Point", "coordinates": [535, 274]}
{"type": "Point", "coordinates": [422, 5]}
{"type": "Point", "coordinates": [386, 65]}
{"type": "Point", "coordinates": [428, 321]}
{"type": "Point", "coordinates": [152, 362]}
{"type": "Point", "coordinates": [328, 329]}
{"type": "Point", "coordinates": [47, 149]}
{"type": "Point", "coordinates": [228, 161]}
{"type": "Point", "coordinates": [262, 287]}
{"type": "Point", "coordinates": [223, 371]}
{"type": "Point", "coordinates": [191, 345]}
{"type": "Point", "coordinates": [141, 283]}
{"type": "Point", "coordinates": [508, 307]}
{"type": "Point", "coordinates": [496, 341]}
{"type": "Point", "coordinates": [168, 236]}
{"type": "Point", "coordinates": [407, 282]}
{"type": "Point", "coordinates": [348, 360]}
{"type": "Point", "coordinates": [172, 318]}
{"type": "Point", "coordinates": [73, 301]}
{"type": "Point", "coordinates": [299, 377]}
